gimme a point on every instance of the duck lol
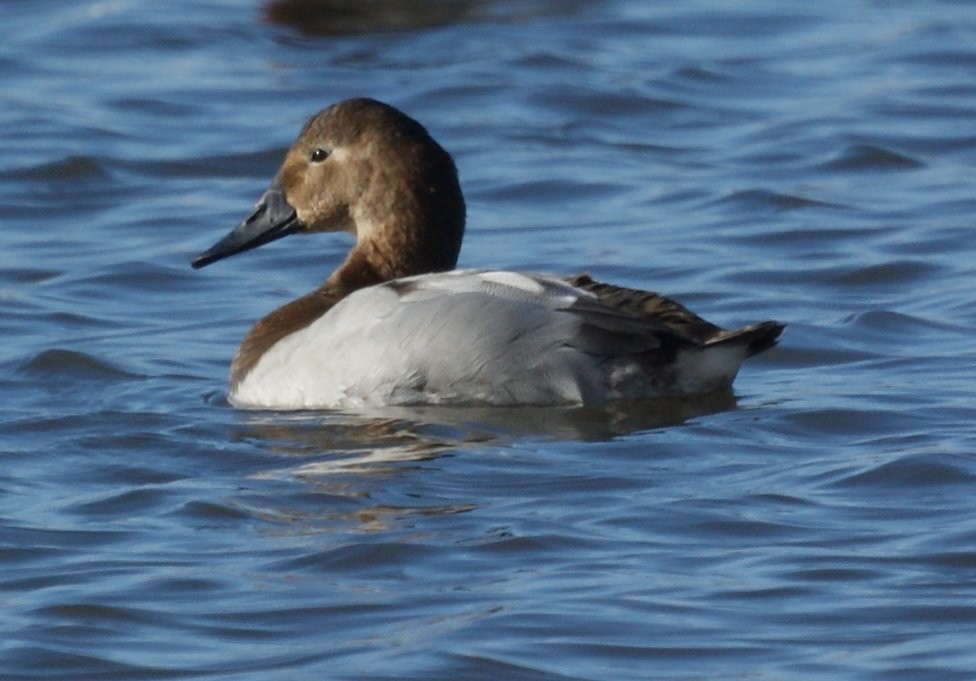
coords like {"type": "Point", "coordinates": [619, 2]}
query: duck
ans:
{"type": "Point", "coordinates": [398, 324]}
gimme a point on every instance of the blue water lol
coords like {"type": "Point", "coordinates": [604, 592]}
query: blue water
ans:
{"type": "Point", "coordinates": [807, 162]}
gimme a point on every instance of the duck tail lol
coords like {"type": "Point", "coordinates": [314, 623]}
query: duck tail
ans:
{"type": "Point", "coordinates": [755, 338]}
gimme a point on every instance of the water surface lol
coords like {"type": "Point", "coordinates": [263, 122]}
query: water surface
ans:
{"type": "Point", "coordinates": [810, 163]}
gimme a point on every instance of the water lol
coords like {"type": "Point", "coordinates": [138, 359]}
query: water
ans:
{"type": "Point", "coordinates": [810, 163]}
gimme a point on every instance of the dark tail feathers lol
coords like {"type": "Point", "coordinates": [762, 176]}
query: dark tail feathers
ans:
{"type": "Point", "coordinates": [756, 337]}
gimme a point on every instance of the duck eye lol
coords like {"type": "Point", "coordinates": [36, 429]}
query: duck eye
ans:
{"type": "Point", "coordinates": [318, 155]}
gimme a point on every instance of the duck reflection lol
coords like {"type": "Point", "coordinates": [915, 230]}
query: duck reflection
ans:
{"type": "Point", "coordinates": [345, 461]}
{"type": "Point", "coordinates": [381, 440]}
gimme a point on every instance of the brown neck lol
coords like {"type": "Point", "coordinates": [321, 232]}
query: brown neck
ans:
{"type": "Point", "coordinates": [282, 322]}
{"type": "Point", "coordinates": [396, 253]}
{"type": "Point", "coordinates": [432, 245]}
{"type": "Point", "coordinates": [360, 269]}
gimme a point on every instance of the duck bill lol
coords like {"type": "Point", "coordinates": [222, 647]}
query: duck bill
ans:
{"type": "Point", "coordinates": [272, 218]}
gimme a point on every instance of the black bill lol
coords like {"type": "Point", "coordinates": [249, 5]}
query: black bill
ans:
{"type": "Point", "coordinates": [273, 218]}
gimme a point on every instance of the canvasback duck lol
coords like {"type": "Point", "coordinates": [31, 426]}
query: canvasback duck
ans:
{"type": "Point", "coordinates": [397, 324]}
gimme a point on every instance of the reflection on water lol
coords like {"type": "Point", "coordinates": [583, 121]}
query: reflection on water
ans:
{"type": "Point", "coordinates": [338, 457]}
{"type": "Point", "coordinates": [347, 17]}
{"type": "Point", "coordinates": [591, 424]}
{"type": "Point", "coordinates": [363, 440]}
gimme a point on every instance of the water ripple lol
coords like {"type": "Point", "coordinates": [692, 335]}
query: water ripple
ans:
{"type": "Point", "coordinates": [867, 157]}
{"type": "Point", "coordinates": [806, 163]}
{"type": "Point", "coordinates": [71, 364]}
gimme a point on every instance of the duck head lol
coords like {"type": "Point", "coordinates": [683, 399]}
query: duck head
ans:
{"type": "Point", "coordinates": [363, 167]}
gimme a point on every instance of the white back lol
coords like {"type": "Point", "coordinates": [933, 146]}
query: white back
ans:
{"type": "Point", "coordinates": [461, 336]}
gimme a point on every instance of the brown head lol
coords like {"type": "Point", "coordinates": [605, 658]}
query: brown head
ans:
{"type": "Point", "coordinates": [364, 167]}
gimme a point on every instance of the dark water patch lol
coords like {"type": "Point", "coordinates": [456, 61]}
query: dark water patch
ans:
{"type": "Point", "coordinates": [120, 30]}
{"type": "Point", "coordinates": [124, 504]}
{"type": "Point", "coordinates": [830, 280]}
{"type": "Point", "coordinates": [382, 560]}
{"type": "Point", "coordinates": [36, 203]}
{"type": "Point", "coordinates": [733, 530]}
{"type": "Point", "coordinates": [113, 617]}
{"type": "Point", "coordinates": [651, 653]}
{"type": "Point", "coordinates": [550, 60]}
{"type": "Point", "coordinates": [72, 169]}
{"type": "Point", "coordinates": [135, 476]}
{"type": "Point", "coordinates": [254, 164]}
{"type": "Point", "coordinates": [72, 320]}
{"type": "Point", "coordinates": [954, 561]}
{"type": "Point", "coordinates": [771, 594]}
{"type": "Point", "coordinates": [934, 241]}
{"type": "Point", "coordinates": [899, 334]}
{"type": "Point", "coordinates": [752, 200]}
{"type": "Point", "coordinates": [25, 661]}
{"type": "Point", "coordinates": [607, 106]}
{"type": "Point", "coordinates": [810, 355]}
{"type": "Point", "coordinates": [941, 58]}
{"type": "Point", "coordinates": [828, 575]}
{"type": "Point", "coordinates": [833, 423]}
{"type": "Point", "coordinates": [801, 239]}
{"type": "Point", "coordinates": [567, 192]}
{"type": "Point", "coordinates": [29, 275]}
{"type": "Point", "coordinates": [757, 22]}
{"type": "Point", "coordinates": [41, 539]}
{"type": "Point", "coordinates": [76, 419]}
{"type": "Point", "coordinates": [957, 145]}
{"type": "Point", "coordinates": [172, 587]}
{"type": "Point", "coordinates": [485, 667]}
{"type": "Point", "coordinates": [699, 73]}
{"type": "Point", "coordinates": [767, 161]}
{"type": "Point", "coordinates": [921, 613]}
{"type": "Point", "coordinates": [64, 364]}
{"type": "Point", "coordinates": [134, 276]}
{"type": "Point", "coordinates": [913, 471]}
{"type": "Point", "coordinates": [216, 398]}
{"type": "Point", "coordinates": [895, 273]}
{"type": "Point", "coordinates": [281, 621]}
{"type": "Point", "coordinates": [29, 582]}
{"type": "Point", "coordinates": [775, 500]}
{"type": "Point", "coordinates": [155, 106]}
{"type": "Point", "coordinates": [919, 672]}
{"type": "Point", "coordinates": [861, 157]}
{"type": "Point", "coordinates": [212, 514]}
{"type": "Point", "coordinates": [504, 542]}
{"type": "Point", "coordinates": [15, 555]}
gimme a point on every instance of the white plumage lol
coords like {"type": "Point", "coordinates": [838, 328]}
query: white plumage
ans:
{"type": "Point", "coordinates": [460, 337]}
